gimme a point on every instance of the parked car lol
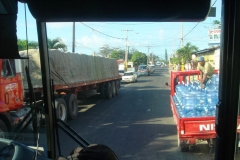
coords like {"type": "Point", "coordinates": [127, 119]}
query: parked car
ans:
{"type": "Point", "coordinates": [129, 77]}
{"type": "Point", "coordinates": [143, 70]}
{"type": "Point", "coordinates": [133, 69]}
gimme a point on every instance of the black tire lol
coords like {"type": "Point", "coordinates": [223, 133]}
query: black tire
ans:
{"type": "Point", "coordinates": [72, 106]}
{"type": "Point", "coordinates": [113, 89]}
{"type": "Point", "coordinates": [108, 90]}
{"type": "Point", "coordinates": [117, 87]}
{"type": "Point", "coordinates": [61, 109]}
{"type": "Point", "coordinates": [3, 130]}
{"type": "Point", "coordinates": [192, 148]}
{"type": "Point", "coordinates": [119, 83]}
{"type": "Point", "coordinates": [101, 90]}
{"type": "Point", "coordinates": [184, 148]}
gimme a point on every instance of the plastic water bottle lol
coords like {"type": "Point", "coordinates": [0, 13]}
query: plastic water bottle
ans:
{"type": "Point", "coordinates": [203, 114]}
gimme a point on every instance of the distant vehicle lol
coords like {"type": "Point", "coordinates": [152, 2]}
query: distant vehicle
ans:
{"type": "Point", "coordinates": [143, 70]}
{"type": "Point", "coordinates": [121, 67]}
{"type": "Point", "coordinates": [121, 72]}
{"type": "Point", "coordinates": [151, 68]}
{"type": "Point", "coordinates": [133, 70]}
{"type": "Point", "coordinates": [130, 65]}
{"type": "Point", "coordinates": [129, 77]}
{"type": "Point", "coordinates": [158, 63]}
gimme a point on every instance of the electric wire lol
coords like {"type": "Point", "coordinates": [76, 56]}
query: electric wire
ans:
{"type": "Point", "coordinates": [101, 32]}
{"type": "Point", "coordinates": [130, 43]}
{"type": "Point", "coordinates": [196, 24]}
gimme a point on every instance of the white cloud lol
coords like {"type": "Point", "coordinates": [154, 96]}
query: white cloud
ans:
{"type": "Point", "coordinates": [58, 24]}
{"type": "Point", "coordinates": [149, 36]}
{"type": "Point", "coordinates": [95, 42]}
{"type": "Point", "coordinates": [161, 34]}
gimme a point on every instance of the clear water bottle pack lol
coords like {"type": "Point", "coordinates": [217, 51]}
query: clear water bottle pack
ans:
{"type": "Point", "coordinates": [193, 101]}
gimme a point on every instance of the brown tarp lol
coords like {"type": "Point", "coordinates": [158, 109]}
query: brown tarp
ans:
{"type": "Point", "coordinates": [68, 68]}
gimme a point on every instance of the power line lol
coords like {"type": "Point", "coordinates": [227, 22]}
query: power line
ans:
{"type": "Point", "coordinates": [131, 43]}
{"type": "Point", "coordinates": [196, 24]}
{"type": "Point", "coordinates": [101, 32]}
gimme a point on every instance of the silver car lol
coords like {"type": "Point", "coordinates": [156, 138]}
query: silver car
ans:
{"type": "Point", "coordinates": [143, 70]}
{"type": "Point", "coordinates": [129, 77]}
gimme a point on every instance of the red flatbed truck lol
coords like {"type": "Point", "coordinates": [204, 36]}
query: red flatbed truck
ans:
{"type": "Point", "coordinates": [191, 129]}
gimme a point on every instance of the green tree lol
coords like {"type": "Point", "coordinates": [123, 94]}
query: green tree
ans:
{"type": "Point", "coordinates": [217, 23]}
{"type": "Point", "coordinates": [117, 54]}
{"type": "Point", "coordinates": [22, 45]}
{"type": "Point", "coordinates": [185, 53]}
{"type": "Point", "coordinates": [105, 50]}
{"type": "Point", "coordinates": [131, 52]}
{"type": "Point", "coordinates": [57, 43]}
{"type": "Point", "coordinates": [139, 58]}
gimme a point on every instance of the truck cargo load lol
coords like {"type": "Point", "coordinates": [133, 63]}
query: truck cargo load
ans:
{"type": "Point", "coordinates": [68, 68]}
{"type": "Point", "coordinates": [194, 108]}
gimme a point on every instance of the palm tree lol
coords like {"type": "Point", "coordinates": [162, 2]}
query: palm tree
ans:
{"type": "Point", "coordinates": [22, 45]}
{"type": "Point", "coordinates": [57, 43]}
{"type": "Point", "coordinates": [186, 52]}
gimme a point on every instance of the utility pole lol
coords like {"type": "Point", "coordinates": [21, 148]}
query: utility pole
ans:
{"type": "Point", "coordinates": [152, 57]}
{"type": "Point", "coordinates": [73, 42]}
{"type": "Point", "coordinates": [182, 65]}
{"type": "Point", "coordinates": [126, 53]}
{"type": "Point", "coordinates": [182, 34]}
{"type": "Point", "coordinates": [148, 54]}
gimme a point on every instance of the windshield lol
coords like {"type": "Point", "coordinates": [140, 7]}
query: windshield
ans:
{"type": "Point", "coordinates": [84, 71]}
{"type": "Point", "coordinates": [142, 67]}
{"type": "Point", "coordinates": [128, 74]}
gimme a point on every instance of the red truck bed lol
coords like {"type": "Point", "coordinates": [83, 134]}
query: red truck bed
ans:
{"type": "Point", "coordinates": [191, 129]}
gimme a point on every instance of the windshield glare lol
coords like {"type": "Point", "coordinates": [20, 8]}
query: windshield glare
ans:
{"type": "Point", "coordinates": [87, 74]}
{"type": "Point", "coordinates": [128, 74]}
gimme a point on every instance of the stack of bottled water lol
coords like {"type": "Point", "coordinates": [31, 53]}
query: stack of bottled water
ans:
{"type": "Point", "coordinates": [193, 101]}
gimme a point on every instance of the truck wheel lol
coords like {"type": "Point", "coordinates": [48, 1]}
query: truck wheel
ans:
{"type": "Point", "coordinates": [113, 89]}
{"type": "Point", "coordinates": [61, 109]}
{"type": "Point", "coordinates": [191, 148]}
{"type": "Point", "coordinates": [101, 90]}
{"type": "Point", "coordinates": [3, 130]}
{"type": "Point", "coordinates": [184, 148]}
{"type": "Point", "coordinates": [119, 83]}
{"type": "Point", "coordinates": [72, 106]}
{"type": "Point", "coordinates": [117, 87]}
{"type": "Point", "coordinates": [108, 90]}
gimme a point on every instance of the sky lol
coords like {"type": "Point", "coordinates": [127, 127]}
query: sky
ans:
{"type": "Point", "coordinates": [146, 37]}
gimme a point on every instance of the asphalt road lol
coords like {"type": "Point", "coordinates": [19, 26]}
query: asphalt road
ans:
{"type": "Point", "coordinates": [137, 124]}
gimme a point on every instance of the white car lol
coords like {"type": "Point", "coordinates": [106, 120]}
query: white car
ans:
{"type": "Point", "coordinates": [129, 77]}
